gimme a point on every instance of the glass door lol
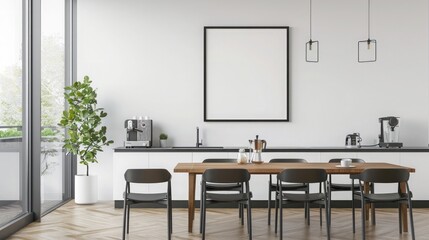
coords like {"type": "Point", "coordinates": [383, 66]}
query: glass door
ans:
{"type": "Point", "coordinates": [55, 165]}
{"type": "Point", "coordinates": [13, 151]}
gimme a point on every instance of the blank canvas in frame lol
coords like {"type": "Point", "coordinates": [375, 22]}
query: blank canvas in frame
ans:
{"type": "Point", "coordinates": [246, 74]}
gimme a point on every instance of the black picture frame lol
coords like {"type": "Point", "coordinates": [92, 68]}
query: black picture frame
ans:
{"type": "Point", "coordinates": [286, 117]}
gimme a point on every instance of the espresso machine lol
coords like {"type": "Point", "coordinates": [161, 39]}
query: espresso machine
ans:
{"type": "Point", "coordinates": [139, 133]}
{"type": "Point", "coordinates": [256, 147]}
{"type": "Point", "coordinates": [389, 132]}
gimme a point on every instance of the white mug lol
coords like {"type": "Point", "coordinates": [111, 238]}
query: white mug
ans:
{"type": "Point", "coordinates": [346, 162]}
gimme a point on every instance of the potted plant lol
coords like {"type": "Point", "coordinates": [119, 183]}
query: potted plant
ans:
{"type": "Point", "coordinates": [163, 140]}
{"type": "Point", "coordinates": [85, 135]}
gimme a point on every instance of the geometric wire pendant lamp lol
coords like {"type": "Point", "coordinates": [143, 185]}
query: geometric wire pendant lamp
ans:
{"type": "Point", "coordinates": [367, 49]}
{"type": "Point", "coordinates": [311, 47]}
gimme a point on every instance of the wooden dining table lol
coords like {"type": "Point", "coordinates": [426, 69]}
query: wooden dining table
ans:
{"type": "Point", "coordinates": [194, 169]}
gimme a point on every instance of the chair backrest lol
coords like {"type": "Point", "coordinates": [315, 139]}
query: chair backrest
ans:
{"type": "Point", "coordinates": [384, 175]}
{"type": "Point", "coordinates": [303, 175]}
{"type": "Point", "coordinates": [147, 175]}
{"type": "Point", "coordinates": [354, 160]}
{"type": "Point", "coordinates": [226, 175]}
{"type": "Point", "coordinates": [288, 160]}
{"type": "Point", "coordinates": [220, 160]}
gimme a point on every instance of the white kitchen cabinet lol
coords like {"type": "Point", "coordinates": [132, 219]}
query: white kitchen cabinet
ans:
{"type": "Point", "coordinates": [123, 161]}
{"type": "Point", "coordinates": [419, 179]}
{"type": "Point", "coordinates": [259, 183]}
{"type": "Point", "coordinates": [179, 181]}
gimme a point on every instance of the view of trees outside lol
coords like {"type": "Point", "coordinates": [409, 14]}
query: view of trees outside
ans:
{"type": "Point", "coordinates": [13, 187]}
{"type": "Point", "coordinates": [12, 90]}
{"type": "Point", "coordinates": [52, 101]}
{"type": "Point", "coordinates": [52, 89]}
{"type": "Point", "coordinates": [10, 66]}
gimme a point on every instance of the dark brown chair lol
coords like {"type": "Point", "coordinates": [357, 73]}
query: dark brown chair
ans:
{"type": "Point", "coordinates": [335, 187]}
{"type": "Point", "coordinates": [273, 187]}
{"type": "Point", "coordinates": [147, 176]}
{"type": "Point", "coordinates": [216, 187]}
{"type": "Point", "coordinates": [226, 176]}
{"type": "Point", "coordinates": [305, 176]}
{"type": "Point", "coordinates": [394, 176]}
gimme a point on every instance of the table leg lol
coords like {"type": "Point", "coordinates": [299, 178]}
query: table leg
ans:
{"type": "Point", "coordinates": [191, 201]}
{"type": "Point", "coordinates": [402, 187]}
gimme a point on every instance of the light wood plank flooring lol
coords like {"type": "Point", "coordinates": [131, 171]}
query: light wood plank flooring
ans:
{"type": "Point", "coordinates": [102, 221]}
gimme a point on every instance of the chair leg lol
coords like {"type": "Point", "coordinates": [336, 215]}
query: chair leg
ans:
{"type": "Point", "coordinates": [353, 211]}
{"type": "Point", "coordinates": [276, 206]}
{"type": "Point", "coordinates": [249, 219]}
{"type": "Point", "coordinates": [128, 219]}
{"type": "Point", "coordinates": [372, 189]}
{"type": "Point", "coordinates": [363, 218]}
{"type": "Point", "coordinates": [269, 204]}
{"type": "Point", "coordinates": [201, 212]}
{"type": "Point", "coordinates": [169, 219]}
{"type": "Point", "coordinates": [411, 219]}
{"type": "Point", "coordinates": [125, 220]}
{"type": "Point", "coordinates": [328, 225]}
{"type": "Point", "coordinates": [281, 216]}
{"type": "Point", "coordinates": [203, 219]}
{"type": "Point", "coordinates": [240, 206]}
{"type": "Point", "coordinates": [242, 218]}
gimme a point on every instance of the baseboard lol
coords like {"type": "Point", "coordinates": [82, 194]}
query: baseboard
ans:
{"type": "Point", "coordinates": [263, 204]}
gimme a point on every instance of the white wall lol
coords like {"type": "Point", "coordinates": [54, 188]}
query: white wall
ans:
{"type": "Point", "coordinates": [146, 58]}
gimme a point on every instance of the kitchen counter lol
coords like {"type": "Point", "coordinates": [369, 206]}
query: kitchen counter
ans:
{"type": "Point", "coordinates": [274, 149]}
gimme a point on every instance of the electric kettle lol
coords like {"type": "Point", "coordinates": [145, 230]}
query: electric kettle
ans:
{"type": "Point", "coordinates": [353, 140]}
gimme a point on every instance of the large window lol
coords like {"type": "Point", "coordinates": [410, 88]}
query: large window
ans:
{"type": "Point", "coordinates": [13, 160]}
{"type": "Point", "coordinates": [54, 164]}
{"type": "Point", "coordinates": [35, 66]}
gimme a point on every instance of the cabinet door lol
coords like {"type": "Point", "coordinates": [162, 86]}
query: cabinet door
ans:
{"type": "Point", "coordinates": [123, 161]}
{"type": "Point", "coordinates": [179, 181]}
{"type": "Point", "coordinates": [198, 157]}
{"type": "Point", "coordinates": [419, 179]}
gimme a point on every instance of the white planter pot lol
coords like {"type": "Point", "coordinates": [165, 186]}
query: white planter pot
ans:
{"type": "Point", "coordinates": [86, 189]}
{"type": "Point", "coordinates": [163, 143]}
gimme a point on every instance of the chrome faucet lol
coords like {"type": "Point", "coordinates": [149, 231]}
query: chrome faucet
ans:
{"type": "Point", "coordinates": [199, 143]}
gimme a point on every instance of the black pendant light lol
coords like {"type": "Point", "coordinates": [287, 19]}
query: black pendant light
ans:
{"type": "Point", "coordinates": [311, 47]}
{"type": "Point", "coordinates": [367, 49]}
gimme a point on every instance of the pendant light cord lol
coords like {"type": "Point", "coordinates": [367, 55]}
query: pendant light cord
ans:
{"type": "Point", "coordinates": [311, 20]}
{"type": "Point", "coordinates": [369, 19]}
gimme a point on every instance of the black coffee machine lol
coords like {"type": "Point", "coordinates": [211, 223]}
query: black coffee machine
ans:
{"type": "Point", "coordinates": [389, 132]}
{"type": "Point", "coordinates": [139, 133]}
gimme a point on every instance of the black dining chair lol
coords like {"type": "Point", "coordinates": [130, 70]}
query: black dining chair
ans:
{"type": "Point", "coordinates": [393, 176]}
{"type": "Point", "coordinates": [216, 187]}
{"type": "Point", "coordinates": [273, 187]}
{"type": "Point", "coordinates": [147, 176]}
{"type": "Point", "coordinates": [336, 187]}
{"type": "Point", "coordinates": [305, 176]}
{"type": "Point", "coordinates": [226, 176]}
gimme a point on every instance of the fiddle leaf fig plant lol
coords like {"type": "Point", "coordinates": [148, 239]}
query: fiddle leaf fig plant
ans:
{"type": "Point", "coordinates": [85, 133]}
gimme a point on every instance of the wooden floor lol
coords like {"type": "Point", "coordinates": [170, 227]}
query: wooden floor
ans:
{"type": "Point", "coordinates": [102, 221]}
